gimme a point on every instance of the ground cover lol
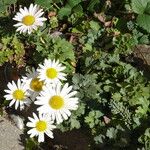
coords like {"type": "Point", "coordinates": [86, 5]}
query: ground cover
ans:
{"type": "Point", "coordinates": [77, 72]}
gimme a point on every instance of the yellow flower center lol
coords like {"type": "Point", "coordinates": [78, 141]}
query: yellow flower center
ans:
{"type": "Point", "coordinates": [36, 85]}
{"type": "Point", "coordinates": [41, 126]}
{"type": "Point", "coordinates": [28, 20]}
{"type": "Point", "coordinates": [56, 102]}
{"type": "Point", "coordinates": [18, 95]}
{"type": "Point", "coordinates": [51, 73]}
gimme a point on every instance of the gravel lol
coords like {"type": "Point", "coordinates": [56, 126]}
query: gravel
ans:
{"type": "Point", "coordinates": [10, 136]}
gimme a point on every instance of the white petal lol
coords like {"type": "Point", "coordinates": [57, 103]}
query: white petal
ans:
{"type": "Point", "coordinates": [32, 131]}
{"type": "Point", "coordinates": [8, 97]}
{"type": "Point", "coordinates": [41, 19]}
{"type": "Point", "coordinates": [64, 115]}
{"type": "Point", "coordinates": [50, 134]}
{"type": "Point", "coordinates": [67, 112]}
{"type": "Point", "coordinates": [23, 12]}
{"type": "Point", "coordinates": [30, 124]}
{"type": "Point", "coordinates": [41, 137]}
{"type": "Point", "coordinates": [19, 84]}
{"type": "Point", "coordinates": [33, 134]}
{"type": "Point", "coordinates": [58, 118]}
{"type": "Point", "coordinates": [10, 86]}
{"type": "Point", "coordinates": [8, 91]}
{"type": "Point", "coordinates": [11, 103]}
{"type": "Point", "coordinates": [18, 24]}
{"type": "Point", "coordinates": [31, 9]}
{"type": "Point", "coordinates": [31, 119]}
{"type": "Point", "coordinates": [39, 13]}
{"type": "Point", "coordinates": [71, 94]}
{"type": "Point", "coordinates": [35, 117]}
{"type": "Point", "coordinates": [16, 104]}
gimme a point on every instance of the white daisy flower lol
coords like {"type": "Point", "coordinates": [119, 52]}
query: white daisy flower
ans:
{"type": "Point", "coordinates": [18, 94]}
{"type": "Point", "coordinates": [39, 126]}
{"type": "Point", "coordinates": [29, 19]}
{"type": "Point", "coordinates": [57, 102]}
{"type": "Point", "coordinates": [51, 71]}
{"type": "Point", "coordinates": [35, 85]}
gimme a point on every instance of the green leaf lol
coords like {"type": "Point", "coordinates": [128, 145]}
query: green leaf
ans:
{"type": "Point", "coordinates": [8, 2]}
{"type": "Point", "coordinates": [65, 11]}
{"type": "Point", "coordinates": [78, 9]}
{"type": "Point", "coordinates": [147, 9]}
{"type": "Point", "coordinates": [99, 139]}
{"type": "Point", "coordinates": [73, 3]}
{"type": "Point", "coordinates": [94, 25]}
{"type": "Point", "coordinates": [44, 3]}
{"type": "Point", "coordinates": [144, 40]}
{"type": "Point", "coordinates": [116, 96]}
{"type": "Point", "coordinates": [143, 21]}
{"type": "Point", "coordinates": [92, 5]}
{"type": "Point", "coordinates": [111, 133]}
{"type": "Point", "coordinates": [30, 144]}
{"type": "Point", "coordinates": [93, 118]}
{"type": "Point", "coordinates": [2, 7]}
{"type": "Point", "coordinates": [139, 6]}
{"type": "Point", "coordinates": [4, 4]}
{"type": "Point", "coordinates": [75, 123]}
{"type": "Point", "coordinates": [57, 1]}
{"type": "Point", "coordinates": [1, 111]}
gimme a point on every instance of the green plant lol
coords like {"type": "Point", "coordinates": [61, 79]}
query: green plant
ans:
{"type": "Point", "coordinates": [92, 39]}
{"type": "Point", "coordinates": [12, 50]}
{"type": "Point", "coordinates": [142, 8]}
{"type": "Point", "coordinates": [5, 4]}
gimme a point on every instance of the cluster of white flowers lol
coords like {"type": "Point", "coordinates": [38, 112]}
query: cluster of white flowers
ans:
{"type": "Point", "coordinates": [44, 87]}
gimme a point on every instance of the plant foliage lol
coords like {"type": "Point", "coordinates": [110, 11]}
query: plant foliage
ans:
{"type": "Point", "coordinates": [142, 8]}
{"type": "Point", "coordinates": [94, 39]}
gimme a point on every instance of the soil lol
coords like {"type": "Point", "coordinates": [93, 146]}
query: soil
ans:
{"type": "Point", "coordinates": [140, 59]}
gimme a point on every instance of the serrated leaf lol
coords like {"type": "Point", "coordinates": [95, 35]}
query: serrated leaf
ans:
{"type": "Point", "coordinates": [99, 139]}
{"type": "Point", "coordinates": [144, 40]}
{"type": "Point", "coordinates": [75, 123]}
{"type": "Point", "coordinates": [76, 78]}
{"type": "Point", "coordinates": [111, 133]}
{"type": "Point", "coordinates": [139, 6]}
{"type": "Point", "coordinates": [143, 21]}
